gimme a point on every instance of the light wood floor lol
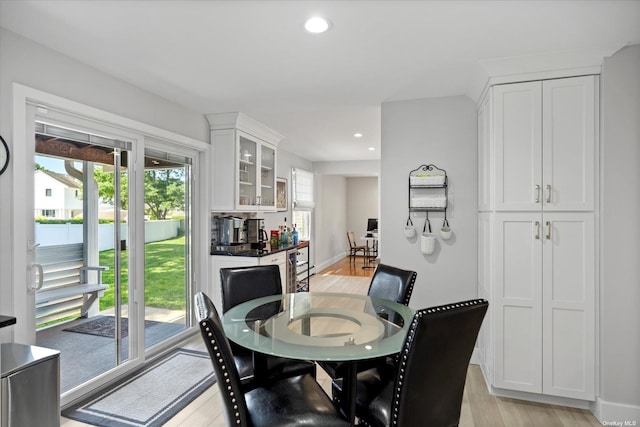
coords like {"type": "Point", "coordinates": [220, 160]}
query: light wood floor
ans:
{"type": "Point", "coordinates": [479, 408]}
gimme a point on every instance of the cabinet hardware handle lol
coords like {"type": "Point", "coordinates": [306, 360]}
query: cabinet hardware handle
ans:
{"type": "Point", "coordinates": [548, 230]}
{"type": "Point", "coordinates": [537, 230]}
{"type": "Point", "coordinates": [548, 193]}
{"type": "Point", "coordinates": [537, 190]}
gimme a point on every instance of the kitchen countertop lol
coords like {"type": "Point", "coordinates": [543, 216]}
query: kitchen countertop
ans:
{"type": "Point", "coordinates": [263, 252]}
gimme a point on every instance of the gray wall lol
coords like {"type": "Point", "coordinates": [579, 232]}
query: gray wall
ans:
{"type": "Point", "coordinates": [441, 131]}
{"type": "Point", "coordinates": [330, 219]}
{"type": "Point", "coordinates": [620, 230]}
{"type": "Point", "coordinates": [362, 203]}
{"type": "Point", "coordinates": [33, 65]}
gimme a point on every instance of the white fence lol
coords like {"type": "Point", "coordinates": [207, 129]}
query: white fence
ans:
{"type": "Point", "coordinates": [61, 234]}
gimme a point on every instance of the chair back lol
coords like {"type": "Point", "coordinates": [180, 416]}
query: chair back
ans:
{"type": "Point", "coordinates": [240, 284]}
{"type": "Point", "coordinates": [392, 283]}
{"type": "Point", "coordinates": [223, 363]}
{"type": "Point", "coordinates": [352, 239]}
{"type": "Point", "coordinates": [433, 364]}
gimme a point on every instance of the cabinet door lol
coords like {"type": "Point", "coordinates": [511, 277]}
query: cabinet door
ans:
{"type": "Point", "coordinates": [569, 307]}
{"type": "Point", "coordinates": [569, 116]}
{"type": "Point", "coordinates": [248, 171]}
{"type": "Point", "coordinates": [517, 302]}
{"type": "Point", "coordinates": [267, 198]}
{"type": "Point", "coordinates": [279, 259]}
{"type": "Point", "coordinates": [517, 130]}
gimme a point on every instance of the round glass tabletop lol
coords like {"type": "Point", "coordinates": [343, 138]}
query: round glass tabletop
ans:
{"type": "Point", "coordinates": [319, 326]}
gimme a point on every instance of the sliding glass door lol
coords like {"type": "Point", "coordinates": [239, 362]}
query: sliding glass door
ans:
{"type": "Point", "coordinates": [81, 211]}
{"type": "Point", "coordinates": [168, 243]}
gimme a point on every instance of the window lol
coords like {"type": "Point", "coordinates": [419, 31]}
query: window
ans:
{"type": "Point", "coordinates": [47, 192]}
{"type": "Point", "coordinates": [303, 202]}
{"type": "Point", "coordinates": [49, 213]}
{"type": "Point", "coordinates": [302, 223]}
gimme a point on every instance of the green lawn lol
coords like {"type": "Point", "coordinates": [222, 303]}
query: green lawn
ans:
{"type": "Point", "coordinates": [163, 277]}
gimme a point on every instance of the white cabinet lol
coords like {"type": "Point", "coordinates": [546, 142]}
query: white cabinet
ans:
{"type": "Point", "coordinates": [484, 155]}
{"type": "Point", "coordinates": [544, 140]}
{"type": "Point", "coordinates": [537, 146]}
{"type": "Point", "coordinates": [544, 295]}
{"type": "Point", "coordinates": [244, 160]}
{"type": "Point", "coordinates": [279, 259]}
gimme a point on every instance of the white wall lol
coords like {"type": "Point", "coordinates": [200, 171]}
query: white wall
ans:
{"type": "Point", "coordinates": [362, 203]}
{"type": "Point", "coordinates": [620, 237]}
{"type": "Point", "coordinates": [33, 65]}
{"type": "Point", "coordinates": [330, 219]}
{"type": "Point", "coordinates": [441, 131]}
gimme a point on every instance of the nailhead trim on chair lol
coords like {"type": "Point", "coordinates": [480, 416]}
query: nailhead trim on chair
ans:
{"type": "Point", "coordinates": [410, 288]}
{"type": "Point", "coordinates": [223, 366]}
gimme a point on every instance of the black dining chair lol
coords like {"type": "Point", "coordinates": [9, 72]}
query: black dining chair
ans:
{"type": "Point", "coordinates": [291, 401]}
{"type": "Point", "coordinates": [390, 283]}
{"type": "Point", "coordinates": [425, 387]}
{"type": "Point", "coordinates": [241, 284]}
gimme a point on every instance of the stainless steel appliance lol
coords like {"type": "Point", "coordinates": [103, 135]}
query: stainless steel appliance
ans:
{"type": "Point", "coordinates": [229, 231]}
{"type": "Point", "coordinates": [256, 234]}
{"type": "Point", "coordinates": [30, 386]}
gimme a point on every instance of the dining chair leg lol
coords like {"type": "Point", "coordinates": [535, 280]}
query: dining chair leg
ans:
{"type": "Point", "coordinates": [349, 390]}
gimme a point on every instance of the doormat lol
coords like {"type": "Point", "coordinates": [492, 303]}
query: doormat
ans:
{"type": "Point", "coordinates": [105, 326]}
{"type": "Point", "coordinates": [151, 396]}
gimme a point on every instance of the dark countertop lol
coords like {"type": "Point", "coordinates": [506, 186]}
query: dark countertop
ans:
{"type": "Point", "coordinates": [7, 321]}
{"type": "Point", "coordinates": [263, 252]}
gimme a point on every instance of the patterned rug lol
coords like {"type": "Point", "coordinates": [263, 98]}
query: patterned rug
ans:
{"type": "Point", "coordinates": [105, 326]}
{"type": "Point", "coordinates": [150, 397]}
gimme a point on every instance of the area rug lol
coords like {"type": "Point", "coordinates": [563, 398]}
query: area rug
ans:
{"type": "Point", "coordinates": [151, 396]}
{"type": "Point", "coordinates": [105, 326]}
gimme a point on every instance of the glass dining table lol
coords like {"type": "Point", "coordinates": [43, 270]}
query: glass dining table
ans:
{"type": "Point", "coordinates": [321, 327]}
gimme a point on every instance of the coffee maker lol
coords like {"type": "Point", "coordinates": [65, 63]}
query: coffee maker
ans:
{"type": "Point", "coordinates": [256, 234]}
{"type": "Point", "coordinates": [229, 235]}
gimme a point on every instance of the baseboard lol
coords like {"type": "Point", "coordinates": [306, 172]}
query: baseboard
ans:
{"type": "Point", "coordinates": [542, 398]}
{"type": "Point", "coordinates": [616, 414]}
{"type": "Point", "coordinates": [325, 264]}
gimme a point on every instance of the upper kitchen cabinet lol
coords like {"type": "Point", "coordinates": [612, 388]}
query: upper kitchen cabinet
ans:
{"type": "Point", "coordinates": [243, 159]}
{"type": "Point", "coordinates": [543, 135]}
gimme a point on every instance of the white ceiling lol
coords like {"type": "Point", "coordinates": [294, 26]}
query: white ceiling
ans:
{"type": "Point", "coordinates": [318, 90]}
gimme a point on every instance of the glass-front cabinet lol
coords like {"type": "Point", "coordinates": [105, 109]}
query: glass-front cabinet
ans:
{"type": "Point", "coordinates": [244, 160]}
{"type": "Point", "coordinates": [256, 174]}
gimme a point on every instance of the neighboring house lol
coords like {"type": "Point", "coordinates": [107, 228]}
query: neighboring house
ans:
{"type": "Point", "coordinates": [56, 195]}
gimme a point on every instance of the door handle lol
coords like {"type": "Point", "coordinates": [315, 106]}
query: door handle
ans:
{"type": "Point", "coordinates": [548, 193]}
{"type": "Point", "coordinates": [548, 230]}
{"type": "Point", "coordinates": [537, 190]}
{"type": "Point", "coordinates": [40, 278]}
{"type": "Point", "coordinates": [537, 230]}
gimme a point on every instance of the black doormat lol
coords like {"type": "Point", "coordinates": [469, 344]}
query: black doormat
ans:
{"type": "Point", "coordinates": [105, 326]}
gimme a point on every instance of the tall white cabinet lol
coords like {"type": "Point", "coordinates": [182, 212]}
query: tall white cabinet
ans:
{"type": "Point", "coordinates": [537, 207]}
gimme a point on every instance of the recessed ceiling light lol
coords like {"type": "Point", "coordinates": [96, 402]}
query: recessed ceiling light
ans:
{"type": "Point", "coordinates": [316, 25]}
{"type": "Point", "coordinates": [372, 148]}
{"type": "Point", "coordinates": [357, 135]}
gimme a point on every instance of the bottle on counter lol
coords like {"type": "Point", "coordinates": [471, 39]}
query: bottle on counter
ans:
{"type": "Point", "coordinates": [294, 236]}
